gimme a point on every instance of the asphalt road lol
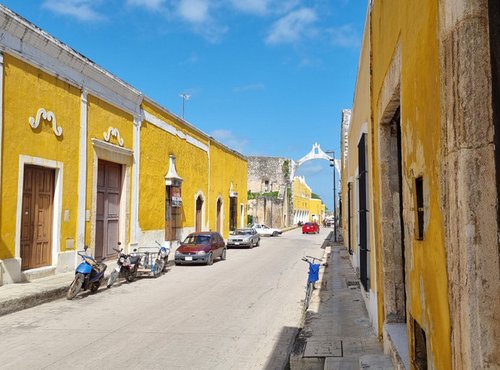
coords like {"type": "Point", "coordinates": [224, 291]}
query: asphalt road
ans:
{"type": "Point", "coordinates": [242, 313]}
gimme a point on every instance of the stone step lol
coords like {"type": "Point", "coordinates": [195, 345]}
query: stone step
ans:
{"type": "Point", "coordinates": [38, 273]}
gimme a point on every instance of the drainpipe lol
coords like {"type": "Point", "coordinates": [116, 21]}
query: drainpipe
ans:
{"type": "Point", "coordinates": [208, 190]}
{"type": "Point", "coordinates": [135, 181]}
{"type": "Point", "coordinates": [82, 173]}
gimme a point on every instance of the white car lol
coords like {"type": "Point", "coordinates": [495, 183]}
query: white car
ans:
{"type": "Point", "coordinates": [265, 230]}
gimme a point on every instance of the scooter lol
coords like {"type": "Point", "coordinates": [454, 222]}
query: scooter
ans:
{"type": "Point", "coordinates": [126, 266]}
{"type": "Point", "coordinates": [88, 275]}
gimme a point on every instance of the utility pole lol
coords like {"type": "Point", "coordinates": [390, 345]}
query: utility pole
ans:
{"type": "Point", "coordinates": [184, 97]}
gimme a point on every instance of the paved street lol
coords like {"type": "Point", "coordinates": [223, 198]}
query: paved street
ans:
{"type": "Point", "coordinates": [242, 313]}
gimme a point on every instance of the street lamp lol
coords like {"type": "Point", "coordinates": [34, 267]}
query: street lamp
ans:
{"type": "Point", "coordinates": [184, 97]}
{"type": "Point", "coordinates": [332, 164]}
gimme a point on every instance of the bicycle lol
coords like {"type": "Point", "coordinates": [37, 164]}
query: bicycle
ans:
{"type": "Point", "coordinates": [312, 277]}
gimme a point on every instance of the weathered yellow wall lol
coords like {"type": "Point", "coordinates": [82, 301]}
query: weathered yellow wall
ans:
{"type": "Point", "coordinates": [415, 26]}
{"type": "Point", "coordinates": [191, 165]}
{"type": "Point", "coordinates": [102, 116]}
{"type": "Point", "coordinates": [27, 89]}
{"type": "Point", "coordinates": [301, 195]}
{"type": "Point", "coordinates": [226, 168]}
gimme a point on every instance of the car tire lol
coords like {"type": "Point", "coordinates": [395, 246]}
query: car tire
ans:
{"type": "Point", "coordinates": [275, 233]}
{"type": "Point", "coordinates": [210, 259]}
{"type": "Point", "coordinates": [250, 246]}
{"type": "Point", "coordinates": [258, 243]}
{"type": "Point", "coordinates": [223, 256]}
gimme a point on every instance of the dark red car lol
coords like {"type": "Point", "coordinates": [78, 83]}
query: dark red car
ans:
{"type": "Point", "coordinates": [310, 227]}
{"type": "Point", "coordinates": [201, 247]}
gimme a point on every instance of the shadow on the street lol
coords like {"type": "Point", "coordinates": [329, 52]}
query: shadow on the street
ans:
{"type": "Point", "coordinates": [280, 355]}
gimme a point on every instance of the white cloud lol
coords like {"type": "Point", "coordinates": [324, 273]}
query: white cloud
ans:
{"type": "Point", "coordinates": [251, 6]}
{"type": "Point", "coordinates": [264, 7]}
{"type": "Point", "coordinates": [345, 36]}
{"type": "Point", "coordinates": [148, 4]}
{"type": "Point", "coordinates": [292, 27]}
{"type": "Point", "coordinates": [80, 9]}
{"type": "Point", "coordinates": [229, 139]}
{"type": "Point", "coordinates": [194, 11]}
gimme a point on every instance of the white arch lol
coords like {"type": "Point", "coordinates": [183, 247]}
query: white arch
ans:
{"type": "Point", "coordinates": [315, 153]}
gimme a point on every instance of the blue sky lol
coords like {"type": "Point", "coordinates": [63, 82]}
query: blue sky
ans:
{"type": "Point", "coordinates": [265, 77]}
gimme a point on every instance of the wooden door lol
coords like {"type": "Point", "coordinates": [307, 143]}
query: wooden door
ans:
{"type": "Point", "coordinates": [199, 207]}
{"type": "Point", "coordinates": [36, 220]}
{"type": "Point", "coordinates": [109, 184]}
{"type": "Point", "coordinates": [219, 216]}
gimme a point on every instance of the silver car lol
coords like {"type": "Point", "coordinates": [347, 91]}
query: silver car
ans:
{"type": "Point", "coordinates": [243, 238]}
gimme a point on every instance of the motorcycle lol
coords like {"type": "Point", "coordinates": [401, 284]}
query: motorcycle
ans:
{"type": "Point", "coordinates": [163, 253]}
{"type": "Point", "coordinates": [126, 266]}
{"type": "Point", "coordinates": [88, 275]}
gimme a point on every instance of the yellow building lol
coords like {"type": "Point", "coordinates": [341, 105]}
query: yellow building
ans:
{"type": "Point", "coordinates": [317, 210]}
{"type": "Point", "coordinates": [86, 159]}
{"type": "Point", "coordinates": [301, 200]}
{"type": "Point", "coordinates": [420, 176]}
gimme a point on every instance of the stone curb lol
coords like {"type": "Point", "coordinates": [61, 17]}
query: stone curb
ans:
{"type": "Point", "coordinates": [32, 300]}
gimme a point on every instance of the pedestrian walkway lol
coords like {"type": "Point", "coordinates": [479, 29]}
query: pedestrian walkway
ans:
{"type": "Point", "coordinates": [337, 333]}
{"type": "Point", "coordinates": [19, 296]}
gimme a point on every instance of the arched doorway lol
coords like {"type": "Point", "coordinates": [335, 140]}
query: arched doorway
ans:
{"type": "Point", "coordinates": [219, 215]}
{"type": "Point", "coordinates": [199, 208]}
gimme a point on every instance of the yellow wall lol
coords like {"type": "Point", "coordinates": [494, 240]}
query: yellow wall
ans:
{"type": "Point", "coordinates": [191, 164]}
{"type": "Point", "coordinates": [301, 195]}
{"type": "Point", "coordinates": [415, 26]}
{"type": "Point", "coordinates": [316, 207]}
{"type": "Point", "coordinates": [226, 169]}
{"type": "Point", "coordinates": [27, 89]}
{"type": "Point", "coordinates": [198, 171]}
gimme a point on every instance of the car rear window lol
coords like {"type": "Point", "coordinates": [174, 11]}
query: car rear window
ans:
{"type": "Point", "coordinates": [197, 239]}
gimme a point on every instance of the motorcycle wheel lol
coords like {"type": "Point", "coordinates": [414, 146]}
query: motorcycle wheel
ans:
{"type": "Point", "coordinates": [160, 264]}
{"type": "Point", "coordinates": [75, 286]}
{"type": "Point", "coordinates": [131, 275]}
{"type": "Point", "coordinates": [165, 260]}
{"type": "Point", "coordinates": [112, 278]}
{"type": "Point", "coordinates": [94, 287]}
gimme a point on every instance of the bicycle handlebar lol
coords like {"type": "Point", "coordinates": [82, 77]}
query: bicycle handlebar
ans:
{"type": "Point", "coordinates": [306, 258]}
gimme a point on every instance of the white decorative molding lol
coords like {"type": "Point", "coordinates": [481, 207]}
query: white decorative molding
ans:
{"type": "Point", "coordinates": [112, 131]}
{"type": "Point", "coordinates": [48, 116]}
{"type": "Point", "coordinates": [172, 130]}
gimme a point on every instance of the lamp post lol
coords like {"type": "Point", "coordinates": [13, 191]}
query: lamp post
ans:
{"type": "Point", "coordinates": [184, 97]}
{"type": "Point", "coordinates": [332, 164]}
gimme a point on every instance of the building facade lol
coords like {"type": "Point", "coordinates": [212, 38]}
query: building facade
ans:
{"type": "Point", "coordinates": [420, 162]}
{"type": "Point", "coordinates": [301, 200]}
{"type": "Point", "coordinates": [269, 183]}
{"type": "Point", "coordinates": [86, 159]}
{"type": "Point", "coordinates": [317, 210]}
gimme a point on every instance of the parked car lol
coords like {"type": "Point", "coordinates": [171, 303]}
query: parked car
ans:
{"type": "Point", "coordinates": [243, 238]}
{"type": "Point", "coordinates": [201, 247]}
{"type": "Point", "coordinates": [265, 230]}
{"type": "Point", "coordinates": [310, 227]}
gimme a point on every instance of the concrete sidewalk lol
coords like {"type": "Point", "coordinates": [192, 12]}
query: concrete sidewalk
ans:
{"type": "Point", "coordinates": [19, 296]}
{"type": "Point", "coordinates": [336, 332]}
